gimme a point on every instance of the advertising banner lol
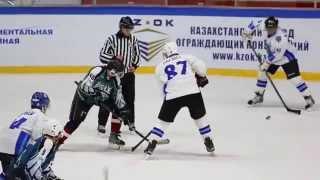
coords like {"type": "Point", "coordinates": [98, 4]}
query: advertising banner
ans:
{"type": "Point", "coordinates": [75, 39]}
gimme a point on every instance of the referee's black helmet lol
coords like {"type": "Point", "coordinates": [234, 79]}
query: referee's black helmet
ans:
{"type": "Point", "coordinates": [126, 22]}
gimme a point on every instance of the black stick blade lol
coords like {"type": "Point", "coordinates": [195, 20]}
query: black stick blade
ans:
{"type": "Point", "coordinates": [296, 111]}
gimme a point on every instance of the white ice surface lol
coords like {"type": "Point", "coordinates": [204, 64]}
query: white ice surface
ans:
{"type": "Point", "coordinates": [248, 147]}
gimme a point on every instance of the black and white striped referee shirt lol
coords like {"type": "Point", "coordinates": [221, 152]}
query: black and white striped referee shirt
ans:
{"type": "Point", "coordinates": [127, 47]}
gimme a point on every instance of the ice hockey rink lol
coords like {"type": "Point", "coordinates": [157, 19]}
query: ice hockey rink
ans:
{"type": "Point", "coordinates": [248, 146]}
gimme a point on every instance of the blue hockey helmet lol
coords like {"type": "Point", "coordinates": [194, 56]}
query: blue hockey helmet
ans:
{"type": "Point", "coordinates": [40, 100]}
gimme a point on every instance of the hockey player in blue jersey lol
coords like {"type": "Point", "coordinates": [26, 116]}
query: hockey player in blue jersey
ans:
{"type": "Point", "coordinates": [25, 129]}
{"type": "Point", "coordinates": [280, 53]}
{"type": "Point", "coordinates": [35, 162]}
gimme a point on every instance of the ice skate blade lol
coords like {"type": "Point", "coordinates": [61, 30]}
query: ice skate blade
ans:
{"type": "Point", "coordinates": [311, 109]}
{"type": "Point", "coordinates": [116, 146]}
{"type": "Point", "coordinates": [254, 105]}
{"type": "Point", "coordinates": [148, 157]}
{"type": "Point", "coordinates": [119, 148]}
{"type": "Point", "coordinates": [101, 135]}
{"type": "Point", "coordinates": [163, 141]}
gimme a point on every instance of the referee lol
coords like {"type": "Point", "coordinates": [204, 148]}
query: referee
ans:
{"type": "Point", "coordinates": [124, 47]}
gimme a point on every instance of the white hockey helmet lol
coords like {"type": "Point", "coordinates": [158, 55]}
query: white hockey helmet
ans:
{"type": "Point", "coordinates": [169, 49]}
{"type": "Point", "coordinates": [52, 128]}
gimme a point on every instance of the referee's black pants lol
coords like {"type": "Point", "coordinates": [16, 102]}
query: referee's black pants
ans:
{"type": "Point", "coordinates": [128, 91]}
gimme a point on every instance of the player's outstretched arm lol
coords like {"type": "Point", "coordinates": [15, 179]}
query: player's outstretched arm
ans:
{"type": "Point", "coordinates": [198, 66]}
{"type": "Point", "coordinates": [200, 69]}
{"type": "Point", "coordinates": [252, 26]}
{"type": "Point", "coordinates": [107, 52]}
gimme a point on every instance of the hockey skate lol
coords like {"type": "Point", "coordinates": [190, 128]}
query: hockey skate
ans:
{"type": "Point", "coordinates": [51, 176]}
{"type": "Point", "coordinates": [115, 141]}
{"type": "Point", "coordinates": [258, 99]}
{"type": "Point", "coordinates": [310, 102]}
{"type": "Point", "coordinates": [130, 128]}
{"type": "Point", "coordinates": [101, 129]}
{"type": "Point", "coordinates": [209, 144]}
{"type": "Point", "coordinates": [150, 148]}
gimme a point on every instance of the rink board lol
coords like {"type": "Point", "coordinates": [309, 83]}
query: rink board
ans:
{"type": "Point", "coordinates": [311, 76]}
{"type": "Point", "coordinates": [68, 39]}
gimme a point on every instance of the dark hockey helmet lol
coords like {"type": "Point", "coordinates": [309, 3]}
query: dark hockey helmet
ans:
{"type": "Point", "coordinates": [126, 22]}
{"type": "Point", "coordinates": [40, 100]}
{"type": "Point", "coordinates": [115, 68]}
{"type": "Point", "coordinates": [271, 22]}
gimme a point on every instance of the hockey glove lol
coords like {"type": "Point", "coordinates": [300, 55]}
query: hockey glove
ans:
{"type": "Point", "coordinates": [246, 35]}
{"type": "Point", "coordinates": [125, 117]}
{"type": "Point", "coordinates": [201, 81]}
{"type": "Point", "coordinates": [86, 86]}
{"type": "Point", "coordinates": [131, 126]}
{"type": "Point", "coordinates": [49, 175]}
{"type": "Point", "coordinates": [61, 138]}
{"type": "Point", "coordinates": [264, 66]}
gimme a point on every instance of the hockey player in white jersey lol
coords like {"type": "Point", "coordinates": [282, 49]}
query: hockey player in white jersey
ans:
{"type": "Point", "coordinates": [35, 161]}
{"type": "Point", "coordinates": [25, 129]}
{"type": "Point", "coordinates": [280, 52]}
{"type": "Point", "coordinates": [180, 77]}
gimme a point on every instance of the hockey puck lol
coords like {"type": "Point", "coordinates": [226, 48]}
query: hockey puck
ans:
{"type": "Point", "coordinates": [268, 117]}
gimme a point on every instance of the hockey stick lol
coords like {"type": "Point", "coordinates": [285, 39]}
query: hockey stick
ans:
{"type": "Point", "coordinates": [296, 111]}
{"type": "Point", "coordinates": [142, 136]}
{"type": "Point", "coordinates": [159, 142]}
{"type": "Point", "coordinates": [140, 142]}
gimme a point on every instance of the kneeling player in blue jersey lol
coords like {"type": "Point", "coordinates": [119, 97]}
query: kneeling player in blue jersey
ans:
{"type": "Point", "coordinates": [25, 130]}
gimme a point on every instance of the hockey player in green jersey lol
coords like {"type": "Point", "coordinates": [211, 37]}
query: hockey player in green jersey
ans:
{"type": "Point", "coordinates": [99, 87]}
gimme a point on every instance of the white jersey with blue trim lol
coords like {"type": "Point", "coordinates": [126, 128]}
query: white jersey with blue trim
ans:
{"type": "Point", "coordinates": [26, 128]}
{"type": "Point", "coordinates": [177, 75]}
{"type": "Point", "coordinates": [278, 48]}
